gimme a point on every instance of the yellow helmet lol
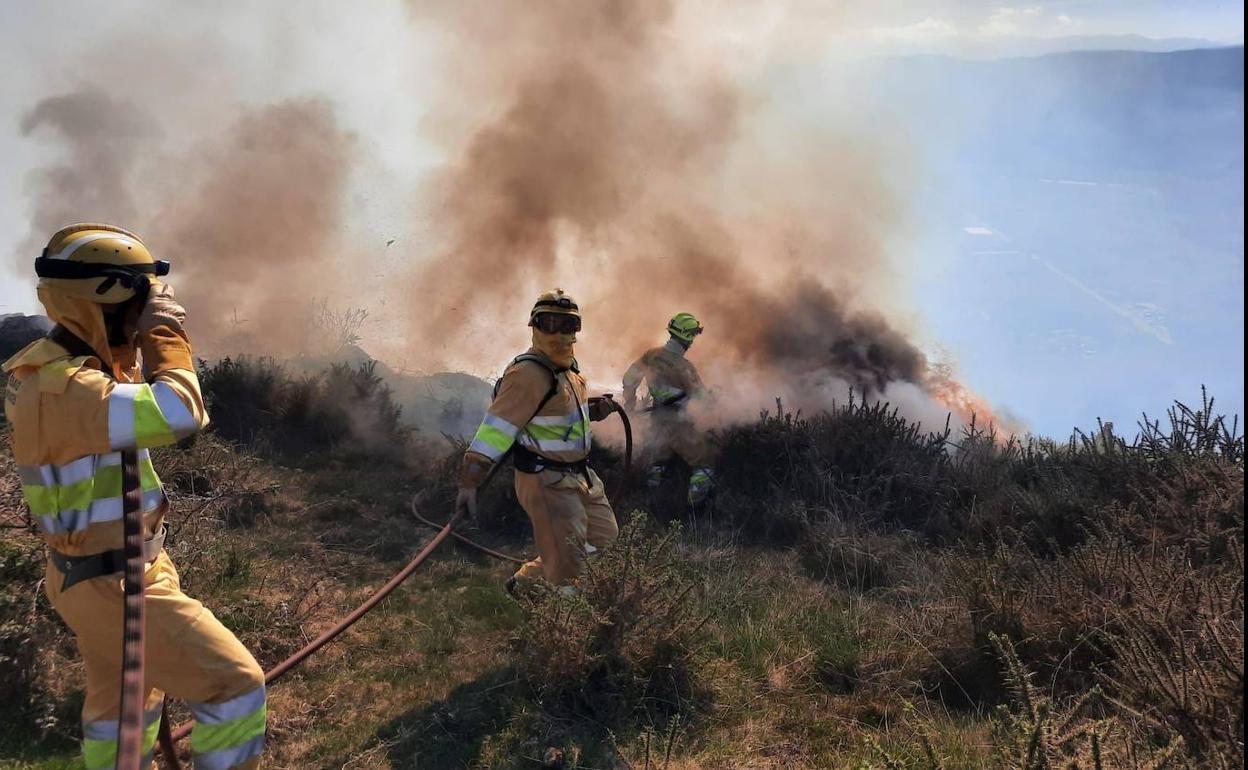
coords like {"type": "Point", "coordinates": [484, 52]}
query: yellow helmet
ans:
{"type": "Point", "coordinates": [97, 262]}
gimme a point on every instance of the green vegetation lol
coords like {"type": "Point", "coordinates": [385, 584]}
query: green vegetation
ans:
{"type": "Point", "coordinates": [859, 594]}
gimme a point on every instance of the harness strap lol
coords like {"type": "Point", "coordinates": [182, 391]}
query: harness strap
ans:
{"type": "Point", "coordinates": [528, 461]}
{"type": "Point", "coordinates": [79, 568]}
{"type": "Point", "coordinates": [72, 342]}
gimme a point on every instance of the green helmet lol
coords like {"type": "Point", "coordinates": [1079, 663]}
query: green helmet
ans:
{"type": "Point", "coordinates": [684, 327]}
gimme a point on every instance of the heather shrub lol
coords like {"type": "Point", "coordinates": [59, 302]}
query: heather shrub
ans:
{"type": "Point", "coordinates": [786, 472]}
{"type": "Point", "coordinates": [624, 645]}
{"type": "Point", "coordinates": [342, 412]}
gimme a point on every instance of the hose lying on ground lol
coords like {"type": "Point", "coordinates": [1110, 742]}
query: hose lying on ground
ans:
{"type": "Point", "coordinates": [444, 531]}
{"type": "Point", "coordinates": [381, 593]}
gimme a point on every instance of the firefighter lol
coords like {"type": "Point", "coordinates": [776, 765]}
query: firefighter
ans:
{"type": "Point", "coordinates": [672, 382]}
{"type": "Point", "coordinates": [541, 414]}
{"type": "Point", "coordinates": [116, 374]}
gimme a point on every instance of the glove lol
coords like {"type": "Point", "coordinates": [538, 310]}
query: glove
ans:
{"type": "Point", "coordinates": [466, 503]}
{"type": "Point", "coordinates": [161, 310]}
{"type": "Point", "coordinates": [601, 408]}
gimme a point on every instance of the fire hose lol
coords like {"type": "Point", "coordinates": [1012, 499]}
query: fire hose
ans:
{"type": "Point", "coordinates": [130, 724]}
{"type": "Point", "coordinates": [294, 660]}
{"type": "Point", "coordinates": [168, 738]}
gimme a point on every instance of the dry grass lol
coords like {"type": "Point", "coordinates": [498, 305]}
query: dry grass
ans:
{"type": "Point", "coordinates": [861, 596]}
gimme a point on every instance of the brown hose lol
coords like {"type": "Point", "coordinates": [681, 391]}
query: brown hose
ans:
{"type": "Point", "coordinates": [381, 593]}
{"type": "Point", "coordinates": [359, 612]}
{"type": "Point", "coordinates": [470, 543]}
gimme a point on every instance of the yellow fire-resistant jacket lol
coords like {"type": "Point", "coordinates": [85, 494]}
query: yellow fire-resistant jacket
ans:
{"type": "Point", "coordinates": [670, 377]}
{"type": "Point", "coordinates": [559, 432]}
{"type": "Point", "coordinates": [71, 416]}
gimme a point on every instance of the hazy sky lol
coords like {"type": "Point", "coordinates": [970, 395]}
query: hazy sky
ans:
{"type": "Point", "coordinates": [375, 71]}
{"type": "Point", "coordinates": [42, 47]}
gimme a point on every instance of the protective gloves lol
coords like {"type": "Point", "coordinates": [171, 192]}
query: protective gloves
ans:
{"type": "Point", "coordinates": [600, 408]}
{"type": "Point", "coordinates": [162, 309]}
{"type": "Point", "coordinates": [466, 503]}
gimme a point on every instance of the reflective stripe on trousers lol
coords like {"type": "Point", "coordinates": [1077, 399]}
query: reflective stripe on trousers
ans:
{"type": "Point", "coordinates": [99, 740]}
{"type": "Point", "coordinates": [230, 733]}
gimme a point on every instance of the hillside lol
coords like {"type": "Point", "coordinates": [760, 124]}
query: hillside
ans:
{"type": "Point", "coordinates": [860, 594]}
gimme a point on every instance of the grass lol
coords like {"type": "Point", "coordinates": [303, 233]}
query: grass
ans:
{"type": "Point", "coordinates": [833, 615]}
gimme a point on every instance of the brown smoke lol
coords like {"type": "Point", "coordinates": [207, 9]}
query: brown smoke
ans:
{"type": "Point", "coordinates": [250, 222]}
{"type": "Point", "coordinates": [617, 148]}
{"type": "Point", "coordinates": [256, 230]}
{"type": "Point", "coordinates": [104, 138]}
{"type": "Point", "coordinates": [628, 166]}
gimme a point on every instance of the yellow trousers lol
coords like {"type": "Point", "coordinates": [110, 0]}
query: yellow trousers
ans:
{"type": "Point", "coordinates": [188, 654]}
{"type": "Point", "coordinates": [567, 515]}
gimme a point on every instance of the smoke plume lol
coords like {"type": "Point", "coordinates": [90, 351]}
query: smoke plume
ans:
{"type": "Point", "coordinates": [642, 155]}
{"type": "Point", "coordinates": [104, 139]}
{"type": "Point", "coordinates": [251, 221]}
{"type": "Point", "coordinates": [632, 167]}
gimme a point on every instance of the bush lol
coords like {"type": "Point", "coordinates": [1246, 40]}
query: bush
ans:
{"type": "Point", "coordinates": [861, 462]}
{"type": "Point", "coordinates": [623, 646]}
{"type": "Point", "coordinates": [785, 475]}
{"type": "Point", "coordinates": [33, 648]}
{"type": "Point", "coordinates": [342, 412]}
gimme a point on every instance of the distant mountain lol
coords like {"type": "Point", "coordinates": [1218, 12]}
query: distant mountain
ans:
{"type": "Point", "coordinates": [18, 330]}
{"type": "Point", "coordinates": [1006, 46]}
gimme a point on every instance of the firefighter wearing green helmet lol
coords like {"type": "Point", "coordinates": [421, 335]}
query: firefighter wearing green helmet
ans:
{"type": "Point", "coordinates": [672, 382]}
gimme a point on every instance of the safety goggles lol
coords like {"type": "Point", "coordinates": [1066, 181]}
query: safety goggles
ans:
{"type": "Point", "coordinates": [557, 323]}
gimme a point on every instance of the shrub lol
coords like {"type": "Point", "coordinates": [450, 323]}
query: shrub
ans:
{"type": "Point", "coordinates": [343, 412]}
{"type": "Point", "coordinates": [862, 462]}
{"type": "Point", "coordinates": [624, 644]}
{"type": "Point", "coordinates": [1036, 731]}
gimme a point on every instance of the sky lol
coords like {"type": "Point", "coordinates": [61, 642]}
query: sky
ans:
{"type": "Point", "coordinates": [1209, 19]}
{"type": "Point", "coordinates": [361, 63]}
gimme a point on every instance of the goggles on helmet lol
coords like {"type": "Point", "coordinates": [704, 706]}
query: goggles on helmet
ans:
{"type": "Point", "coordinates": [131, 276]}
{"type": "Point", "coordinates": [557, 323]}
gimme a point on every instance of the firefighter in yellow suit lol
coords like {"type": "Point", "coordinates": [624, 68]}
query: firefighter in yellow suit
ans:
{"type": "Point", "coordinates": [673, 382]}
{"type": "Point", "coordinates": [541, 413]}
{"type": "Point", "coordinates": [75, 400]}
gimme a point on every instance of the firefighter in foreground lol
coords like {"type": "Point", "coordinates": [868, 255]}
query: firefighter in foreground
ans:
{"type": "Point", "coordinates": [673, 382]}
{"type": "Point", "coordinates": [76, 399]}
{"type": "Point", "coordinates": [541, 414]}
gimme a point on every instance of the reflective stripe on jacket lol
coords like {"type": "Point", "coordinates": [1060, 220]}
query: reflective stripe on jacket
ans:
{"type": "Point", "coordinates": [559, 432]}
{"type": "Point", "coordinates": [69, 422]}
